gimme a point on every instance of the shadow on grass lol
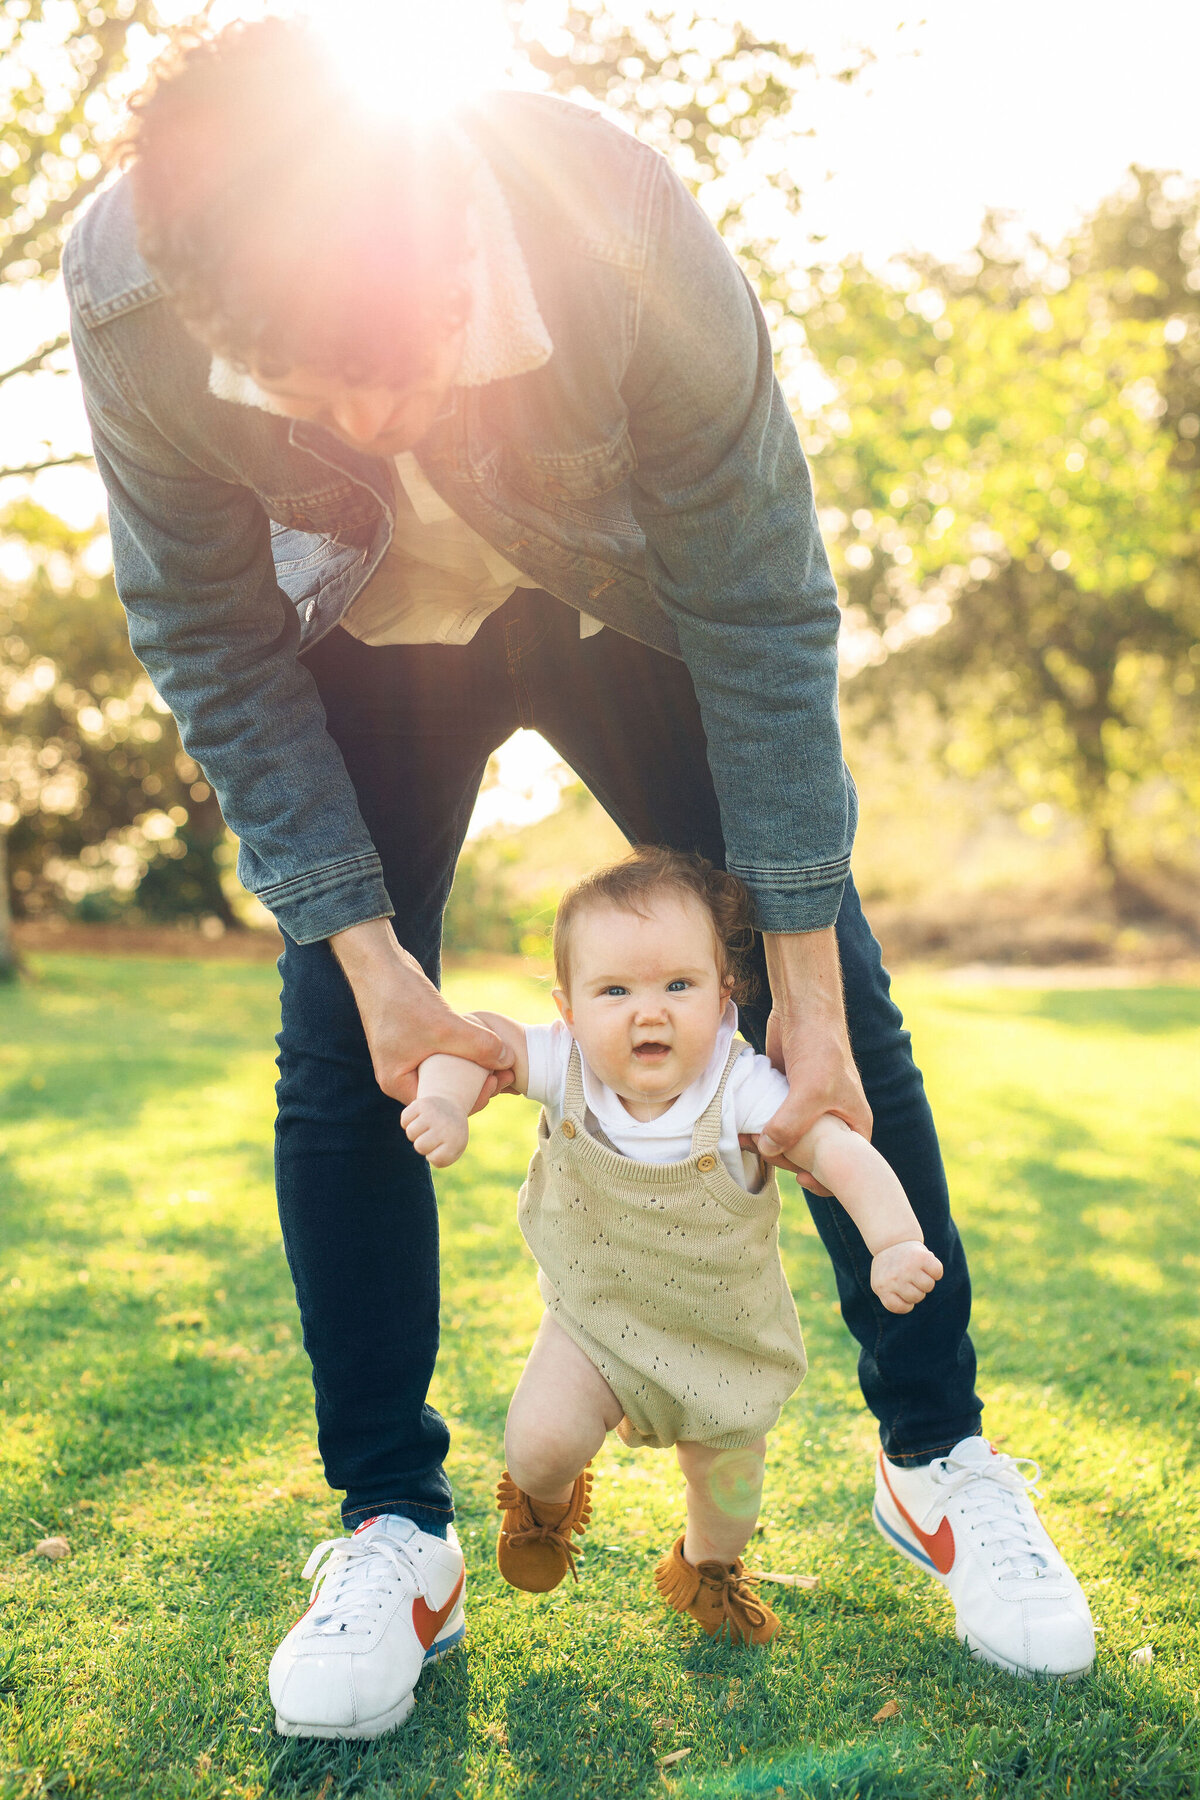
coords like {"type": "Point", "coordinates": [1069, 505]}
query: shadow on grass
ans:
{"type": "Point", "coordinates": [1096, 1265]}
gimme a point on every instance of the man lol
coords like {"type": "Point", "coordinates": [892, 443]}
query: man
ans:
{"type": "Point", "coordinates": [411, 439]}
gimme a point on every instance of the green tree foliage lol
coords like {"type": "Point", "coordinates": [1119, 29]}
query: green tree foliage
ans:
{"type": "Point", "coordinates": [65, 69]}
{"type": "Point", "coordinates": [101, 807]}
{"type": "Point", "coordinates": [1011, 454]}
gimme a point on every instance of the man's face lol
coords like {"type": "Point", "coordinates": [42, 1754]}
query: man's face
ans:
{"type": "Point", "coordinates": [382, 421]}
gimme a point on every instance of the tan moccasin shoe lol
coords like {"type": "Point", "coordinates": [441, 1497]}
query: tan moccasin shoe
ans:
{"type": "Point", "coordinates": [534, 1550]}
{"type": "Point", "coordinates": [718, 1596]}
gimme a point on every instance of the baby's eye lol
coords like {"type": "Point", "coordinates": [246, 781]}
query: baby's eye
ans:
{"type": "Point", "coordinates": [615, 990]}
{"type": "Point", "coordinates": [678, 987]}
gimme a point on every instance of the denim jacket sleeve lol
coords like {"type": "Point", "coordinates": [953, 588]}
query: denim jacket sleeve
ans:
{"type": "Point", "coordinates": [735, 558]}
{"type": "Point", "coordinates": [219, 640]}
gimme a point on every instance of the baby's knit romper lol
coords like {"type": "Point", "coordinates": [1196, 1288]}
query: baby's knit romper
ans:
{"type": "Point", "coordinates": [667, 1276]}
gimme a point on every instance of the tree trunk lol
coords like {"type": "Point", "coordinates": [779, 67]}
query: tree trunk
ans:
{"type": "Point", "coordinates": [10, 968]}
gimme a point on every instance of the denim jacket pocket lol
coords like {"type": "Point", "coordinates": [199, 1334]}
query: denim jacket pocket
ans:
{"type": "Point", "coordinates": [586, 486]}
{"type": "Point", "coordinates": [344, 513]}
{"type": "Point", "coordinates": [554, 478]}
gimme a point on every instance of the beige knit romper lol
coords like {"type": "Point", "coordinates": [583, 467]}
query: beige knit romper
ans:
{"type": "Point", "coordinates": [667, 1276]}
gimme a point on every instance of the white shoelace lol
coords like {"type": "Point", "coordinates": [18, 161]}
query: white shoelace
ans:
{"type": "Point", "coordinates": [1001, 1517]}
{"type": "Point", "coordinates": [357, 1579]}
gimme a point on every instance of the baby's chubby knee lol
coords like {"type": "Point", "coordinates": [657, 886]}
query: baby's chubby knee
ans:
{"type": "Point", "coordinates": [546, 1446]}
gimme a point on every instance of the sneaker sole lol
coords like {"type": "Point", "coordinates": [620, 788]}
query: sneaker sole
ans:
{"type": "Point", "coordinates": [980, 1651]}
{"type": "Point", "coordinates": [454, 1632]}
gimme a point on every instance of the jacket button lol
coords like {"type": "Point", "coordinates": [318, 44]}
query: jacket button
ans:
{"type": "Point", "coordinates": [706, 1163]}
{"type": "Point", "coordinates": [568, 1128]}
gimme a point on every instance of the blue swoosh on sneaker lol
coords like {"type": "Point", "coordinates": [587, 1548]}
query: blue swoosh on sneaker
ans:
{"type": "Point", "coordinates": [903, 1543]}
{"type": "Point", "coordinates": [440, 1646]}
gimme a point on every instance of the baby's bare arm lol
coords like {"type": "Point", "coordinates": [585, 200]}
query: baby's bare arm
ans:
{"type": "Point", "coordinates": [447, 1090]}
{"type": "Point", "coordinates": [903, 1271]}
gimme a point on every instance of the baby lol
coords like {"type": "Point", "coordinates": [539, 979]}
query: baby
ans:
{"type": "Point", "coordinates": [656, 1230]}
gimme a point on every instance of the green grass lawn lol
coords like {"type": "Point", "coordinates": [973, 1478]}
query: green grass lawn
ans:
{"type": "Point", "coordinates": [157, 1413]}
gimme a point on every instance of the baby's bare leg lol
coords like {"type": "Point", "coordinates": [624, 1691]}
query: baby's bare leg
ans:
{"type": "Point", "coordinates": [724, 1493]}
{"type": "Point", "coordinates": [560, 1415]}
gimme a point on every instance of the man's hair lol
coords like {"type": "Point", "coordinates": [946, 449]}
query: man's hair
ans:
{"type": "Point", "coordinates": [290, 228]}
{"type": "Point", "coordinates": [649, 872]}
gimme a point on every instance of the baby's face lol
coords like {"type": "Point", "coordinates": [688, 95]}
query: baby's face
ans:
{"type": "Point", "coordinates": [646, 996]}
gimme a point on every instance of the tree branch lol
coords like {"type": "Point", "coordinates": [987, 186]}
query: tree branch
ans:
{"type": "Point", "coordinates": [37, 359]}
{"type": "Point", "coordinates": [49, 221]}
{"type": "Point", "coordinates": [52, 462]}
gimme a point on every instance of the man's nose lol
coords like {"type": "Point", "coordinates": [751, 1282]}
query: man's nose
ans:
{"type": "Point", "coordinates": [362, 414]}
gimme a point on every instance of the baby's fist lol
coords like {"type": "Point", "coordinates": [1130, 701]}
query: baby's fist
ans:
{"type": "Point", "coordinates": [903, 1274]}
{"type": "Point", "coordinates": [437, 1128]}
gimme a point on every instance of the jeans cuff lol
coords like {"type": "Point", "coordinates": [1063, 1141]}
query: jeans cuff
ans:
{"type": "Point", "coordinates": [919, 1459]}
{"type": "Point", "coordinates": [433, 1519]}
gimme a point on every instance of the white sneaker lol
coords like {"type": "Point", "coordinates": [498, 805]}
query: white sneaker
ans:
{"type": "Point", "coordinates": [388, 1601]}
{"type": "Point", "coordinates": [968, 1521]}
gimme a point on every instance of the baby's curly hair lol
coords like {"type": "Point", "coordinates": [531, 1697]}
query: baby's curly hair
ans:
{"type": "Point", "coordinates": [290, 229]}
{"type": "Point", "coordinates": [649, 871]}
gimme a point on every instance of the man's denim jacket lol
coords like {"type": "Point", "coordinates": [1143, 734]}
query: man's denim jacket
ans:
{"type": "Point", "coordinates": [649, 474]}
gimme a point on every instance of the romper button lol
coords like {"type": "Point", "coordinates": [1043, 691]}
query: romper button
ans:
{"type": "Point", "coordinates": [706, 1163]}
{"type": "Point", "coordinates": [568, 1128]}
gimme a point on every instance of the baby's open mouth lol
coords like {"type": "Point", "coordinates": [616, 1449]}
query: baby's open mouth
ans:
{"type": "Point", "coordinates": [651, 1052]}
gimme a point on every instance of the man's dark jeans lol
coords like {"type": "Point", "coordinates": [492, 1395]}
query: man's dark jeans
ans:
{"type": "Point", "coordinates": [416, 725]}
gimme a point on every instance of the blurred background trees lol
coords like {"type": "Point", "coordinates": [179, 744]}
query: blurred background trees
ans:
{"type": "Point", "coordinates": [1005, 451]}
{"type": "Point", "coordinates": [1011, 450]}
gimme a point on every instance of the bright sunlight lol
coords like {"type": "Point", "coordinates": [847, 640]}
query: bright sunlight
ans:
{"type": "Point", "coordinates": [412, 58]}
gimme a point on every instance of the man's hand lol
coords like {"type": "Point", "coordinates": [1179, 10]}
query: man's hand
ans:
{"type": "Point", "coordinates": [808, 1040]}
{"type": "Point", "coordinates": [404, 1016]}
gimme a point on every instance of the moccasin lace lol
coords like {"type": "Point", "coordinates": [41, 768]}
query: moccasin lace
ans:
{"type": "Point", "coordinates": [532, 1530]}
{"type": "Point", "coordinates": [739, 1603]}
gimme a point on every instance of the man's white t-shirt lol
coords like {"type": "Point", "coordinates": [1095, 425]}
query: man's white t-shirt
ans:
{"type": "Point", "coordinates": [753, 1094]}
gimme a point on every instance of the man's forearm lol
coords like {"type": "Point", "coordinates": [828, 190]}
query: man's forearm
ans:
{"type": "Point", "coordinates": [808, 1039]}
{"type": "Point", "coordinates": [366, 949]}
{"type": "Point", "coordinates": [805, 972]}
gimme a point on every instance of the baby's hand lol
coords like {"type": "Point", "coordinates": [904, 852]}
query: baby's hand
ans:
{"type": "Point", "coordinates": [903, 1274]}
{"type": "Point", "coordinates": [437, 1127]}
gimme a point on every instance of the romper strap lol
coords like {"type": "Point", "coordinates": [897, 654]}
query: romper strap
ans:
{"type": "Point", "coordinates": [706, 1134]}
{"type": "Point", "coordinates": [574, 1104]}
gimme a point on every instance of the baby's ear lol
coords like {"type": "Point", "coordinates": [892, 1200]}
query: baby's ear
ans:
{"type": "Point", "coordinates": [563, 1003]}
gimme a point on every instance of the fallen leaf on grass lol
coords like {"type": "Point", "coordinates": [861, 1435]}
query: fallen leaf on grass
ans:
{"type": "Point", "coordinates": [777, 1575]}
{"type": "Point", "coordinates": [889, 1710]}
{"type": "Point", "coordinates": [53, 1547]}
{"type": "Point", "coordinates": [676, 1756]}
{"type": "Point", "coordinates": [1144, 1657]}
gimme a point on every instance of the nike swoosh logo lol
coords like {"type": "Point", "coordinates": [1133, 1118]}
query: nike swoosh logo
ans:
{"type": "Point", "coordinates": [426, 1622]}
{"type": "Point", "coordinates": [938, 1546]}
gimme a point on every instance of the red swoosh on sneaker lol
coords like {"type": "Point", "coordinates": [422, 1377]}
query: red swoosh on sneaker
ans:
{"type": "Point", "coordinates": [426, 1622]}
{"type": "Point", "coordinates": [938, 1546]}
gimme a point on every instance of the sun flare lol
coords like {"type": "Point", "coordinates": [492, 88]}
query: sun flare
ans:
{"type": "Point", "coordinates": [414, 60]}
